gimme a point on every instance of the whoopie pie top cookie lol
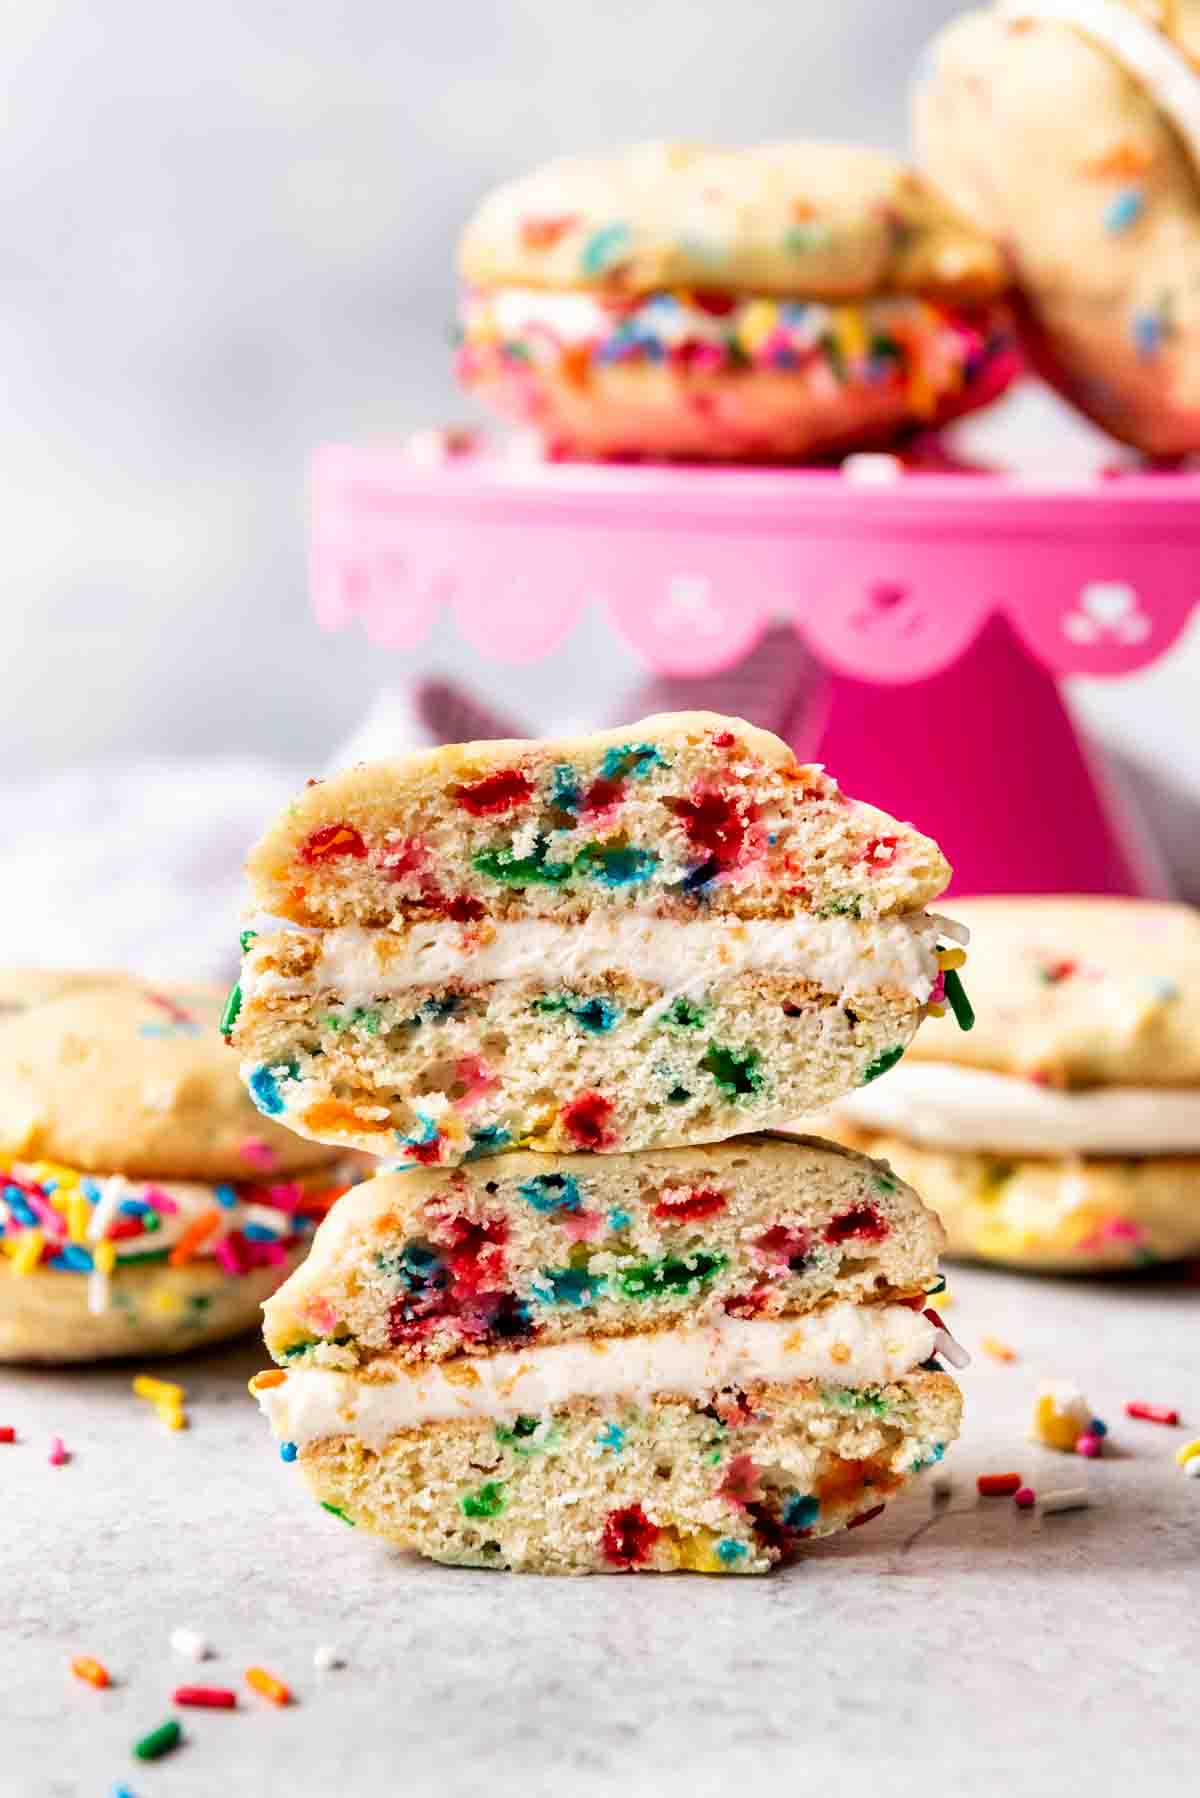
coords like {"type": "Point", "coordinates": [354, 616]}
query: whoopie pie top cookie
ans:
{"type": "Point", "coordinates": [135, 1080]}
{"type": "Point", "coordinates": [1075, 992]}
{"type": "Point", "coordinates": [21, 988]}
{"type": "Point", "coordinates": [822, 220]}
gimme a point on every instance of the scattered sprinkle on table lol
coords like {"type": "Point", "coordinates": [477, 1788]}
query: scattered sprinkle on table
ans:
{"type": "Point", "coordinates": [1191, 1467]}
{"type": "Point", "coordinates": [1189, 1452]}
{"type": "Point", "coordinates": [999, 1351]}
{"type": "Point", "coordinates": [7, 1433]}
{"type": "Point", "coordinates": [209, 1698]}
{"type": "Point", "coordinates": [1024, 1498]}
{"type": "Point", "coordinates": [1152, 1413]}
{"type": "Point", "coordinates": [267, 1686]}
{"type": "Point", "coordinates": [191, 1643]}
{"type": "Point", "coordinates": [1071, 1498]}
{"type": "Point", "coordinates": [94, 1672]}
{"type": "Point", "coordinates": [998, 1485]}
{"type": "Point", "coordinates": [325, 1658]}
{"type": "Point", "coordinates": [59, 1454]}
{"type": "Point", "coordinates": [158, 1391]}
{"type": "Point", "coordinates": [160, 1741]}
{"type": "Point", "coordinates": [1089, 1444]}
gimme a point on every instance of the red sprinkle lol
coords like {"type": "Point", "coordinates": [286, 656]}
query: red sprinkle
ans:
{"type": "Point", "coordinates": [585, 1119]}
{"type": "Point", "coordinates": [544, 233]}
{"type": "Point", "coordinates": [7, 1433]}
{"type": "Point", "coordinates": [864, 1221]}
{"type": "Point", "coordinates": [1089, 1445]}
{"type": "Point", "coordinates": [462, 909]}
{"type": "Point", "coordinates": [1152, 1413]}
{"type": "Point", "coordinates": [880, 852]}
{"type": "Point", "coordinates": [333, 841]}
{"type": "Point", "coordinates": [779, 1244]}
{"type": "Point", "coordinates": [998, 1485]}
{"type": "Point", "coordinates": [500, 792]}
{"type": "Point", "coordinates": [724, 739]}
{"type": "Point", "coordinates": [628, 1537]}
{"type": "Point", "coordinates": [681, 1206]}
{"type": "Point", "coordinates": [59, 1455]}
{"type": "Point", "coordinates": [741, 1483]}
{"type": "Point", "coordinates": [856, 1523]}
{"type": "Point", "coordinates": [716, 825]}
{"type": "Point", "coordinates": [1024, 1498]}
{"type": "Point", "coordinates": [210, 1698]}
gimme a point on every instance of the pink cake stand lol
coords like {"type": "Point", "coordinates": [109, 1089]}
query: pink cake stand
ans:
{"type": "Point", "coordinates": [944, 605]}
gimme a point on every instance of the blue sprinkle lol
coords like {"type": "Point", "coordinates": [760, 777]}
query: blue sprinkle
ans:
{"type": "Point", "coordinates": [1098, 1427]}
{"type": "Point", "coordinates": [551, 1192]}
{"type": "Point", "coordinates": [612, 1436]}
{"type": "Point", "coordinates": [616, 867]}
{"type": "Point", "coordinates": [619, 1220]}
{"type": "Point", "coordinates": [604, 248]}
{"type": "Point", "coordinates": [134, 1207]}
{"type": "Point", "coordinates": [72, 1258]}
{"type": "Point", "coordinates": [1162, 989]}
{"type": "Point", "coordinates": [487, 1141]}
{"type": "Point", "coordinates": [564, 789]}
{"type": "Point", "coordinates": [800, 1512]}
{"type": "Point", "coordinates": [264, 1090]}
{"type": "Point", "coordinates": [1124, 209]}
{"type": "Point", "coordinates": [567, 1286]}
{"type": "Point", "coordinates": [287, 1451]}
{"type": "Point", "coordinates": [1148, 333]}
{"type": "Point", "coordinates": [259, 1233]}
{"type": "Point", "coordinates": [14, 1198]}
{"type": "Point", "coordinates": [631, 760]}
{"type": "Point", "coordinates": [427, 1133]}
{"type": "Point", "coordinates": [729, 1550]}
{"type": "Point", "coordinates": [225, 1197]}
{"type": "Point", "coordinates": [90, 1190]}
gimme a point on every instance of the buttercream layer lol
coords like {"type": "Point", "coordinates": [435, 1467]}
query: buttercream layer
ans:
{"type": "Point", "coordinates": [842, 955]}
{"type": "Point", "coordinates": [852, 1345]}
{"type": "Point", "coordinates": [974, 1110]}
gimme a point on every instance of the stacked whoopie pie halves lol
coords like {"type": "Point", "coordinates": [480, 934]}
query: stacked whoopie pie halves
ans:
{"type": "Point", "coordinates": [575, 1329]}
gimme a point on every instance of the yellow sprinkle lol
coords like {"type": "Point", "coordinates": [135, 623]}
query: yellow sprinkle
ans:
{"type": "Point", "coordinates": [104, 1256]}
{"type": "Point", "coordinates": [999, 1351]}
{"type": "Point", "coordinates": [171, 1414]}
{"type": "Point", "coordinates": [161, 1391]}
{"type": "Point", "coordinates": [951, 958]}
{"type": "Point", "coordinates": [935, 1011]}
{"type": "Point", "coordinates": [942, 1299]}
{"type": "Point", "coordinates": [54, 1170]}
{"type": "Point", "coordinates": [165, 1302]}
{"type": "Point", "coordinates": [756, 323]}
{"type": "Point", "coordinates": [1188, 1452]}
{"type": "Point", "coordinates": [849, 331]}
{"type": "Point", "coordinates": [922, 398]}
{"type": "Point", "coordinates": [694, 1549]}
{"type": "Point", "coordinates": [79, 1215]}
{"type": "Point", "coordinates": [29, 1251]}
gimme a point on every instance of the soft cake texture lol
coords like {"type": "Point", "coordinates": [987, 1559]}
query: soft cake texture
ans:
{"type": "Point", "coordinates": [769, 303]}
{"type": "Point", "coordinates": [1075, 141]}
{"type": "Point", "coordinates": [664, 934]}
{"type": "Point", "coordinates": [728, 1482]}
{"type": "Point", "coordinates": [1063, 1132]}
{"type": "Point", "coordinates": [518, 1250]}
{"type": "Point", "coordinates": [22, 988]}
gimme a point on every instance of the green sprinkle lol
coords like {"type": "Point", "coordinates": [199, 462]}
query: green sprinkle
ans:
{"type": "Point", "coordinates": [842, 908]}
{"type": "Point", "coordinates": [247, 937]}
{"type": "Point", "coordinates": [359, 1019]}
{"type": "Point", "coordinates": [881, 1064]}
{"type": "Point", "coordinates": [125, 1259]}
{"type": "Point", "coordinates": [678, 1095]}
{"type": "Point", "coordinates": [160, 1741]}
{"type": "Point", "coordinates": [615, 866]}
{"type": "Point", "coordinates": [487, 1502]}
{"type": "Point", "coordinates": [604, 249]}
{"type": "Point", "coordinates": [673, 1274]}
{"type": "Point", "coordinates": [336, 1511]}
{"type": "Point", "coordinates": [736, 1071]}
{"type": "Point", "coordinates": [956, 999]}
{"type": "Point", "coordinates": [233, 1005]}
{"type": "Point", "coordinates": [684, 1015]}
{"type": "Point", "coordinates": [522, 870]}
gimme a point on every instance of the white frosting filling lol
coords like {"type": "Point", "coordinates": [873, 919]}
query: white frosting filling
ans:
{"type": "Point", "coordinates": [1145, 53]}
{"type": "Point", "coordinates": [950, 1107]}
{"type": "Point", "coordinates": [841, 955]}
{"type": "Point", "coordinates": [580, 317]}
{"type": "Point", "coordinates": [846, 1345]}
